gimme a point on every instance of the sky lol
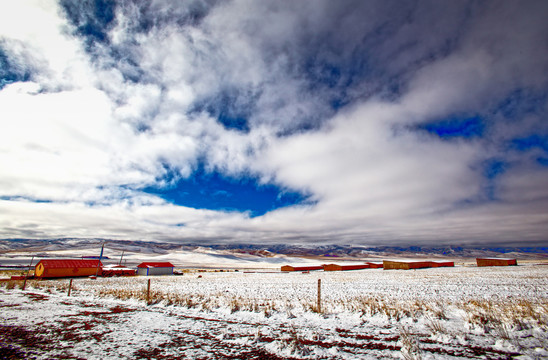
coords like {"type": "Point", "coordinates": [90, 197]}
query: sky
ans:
{"type": "Point", "coordinates": [373, 123]}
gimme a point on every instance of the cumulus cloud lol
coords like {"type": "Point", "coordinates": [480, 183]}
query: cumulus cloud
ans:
{"type": "Point", "coordinates": [101, 101]}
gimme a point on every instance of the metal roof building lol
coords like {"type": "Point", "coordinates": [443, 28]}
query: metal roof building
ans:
{"type": "Point", "coordinates": [337, 267]}
{"type": "Point", "coordinates": [301, 268]}
{"type": "Point", "coordinates": [52, 268]}
{"type": "Point", "coordinates": [415, 264]}
{"type": "Point", "coordinates": [495, 262]}
{"type": "Point", "coordinates": [405, 264]}
{"type": "Point", "coordinates": [155, 268]}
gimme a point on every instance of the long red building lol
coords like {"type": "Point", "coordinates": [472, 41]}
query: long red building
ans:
{"type": "Point", "coordinates": [301, 268]}
{"type": "Point", "coordinates": [415, 264]}
{"type": "Point", "coordinates": [52, 268]}
{"type": "Point", "coordinates": [336, 267]}
{"type": "Point", "coordinates": [496, 262]}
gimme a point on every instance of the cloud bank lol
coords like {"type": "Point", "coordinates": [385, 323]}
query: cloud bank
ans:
{"type": "Point", "coordinates": [396, 123]}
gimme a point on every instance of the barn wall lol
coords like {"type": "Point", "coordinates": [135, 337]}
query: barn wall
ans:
{"type": "Point", "coordinates": [332, 267]}
{"type": "Point", "coordinates": [301, 268]}
{"type": "Point", "coordinates": [420, 265]}
{"type": "Point", "coordinates": [406, 265]}
{"type": "Point", "coordinates": [160, 271]}
{"type": "Point", "coordinates": [496, 262]}
{"type": "Point", "coordinates": [54, 268]}
{"type": "Point", "coordinates": [375, 265]}
{"type": "Point", "coordinates": [308, 268]}
{"type": "Point", "coordinates": [443, 264]}
{"type": "Point", "coordinates": [68, 272]}
{"type": "Point", "coordinates": [389, 265]}
{"type": "Point", "coordinates": [142, 271]}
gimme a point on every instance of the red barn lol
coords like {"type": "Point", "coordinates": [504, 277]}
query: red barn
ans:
{"type": "Point", "coordinates": [301, 268]}
{"type": "Point", "coordinates": [53, 268]}
{"type": "Point", "coordinates": [336, 267]}
{"type": "Point", "coordinates": [495, 262]}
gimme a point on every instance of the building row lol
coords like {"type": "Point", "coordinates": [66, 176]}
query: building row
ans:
{"type": "Point", "coordinates": [55, 268]}
{"type": "Point", "coordinates": [333, 267]}
{"type": "Point", "coordinates": [397, 264]}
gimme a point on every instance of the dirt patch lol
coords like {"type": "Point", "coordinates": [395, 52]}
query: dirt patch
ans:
{"type": "Point", "coordinates": [37, 297]}
{"type": "Point", "coordinates": [18, 341]}
{"type": "Point", "coordinates": [120, 309]}
{"type": "Point", "coordinates": [11, 353]}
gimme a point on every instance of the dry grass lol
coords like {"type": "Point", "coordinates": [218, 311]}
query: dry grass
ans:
{"type": "Point", "coordinates": [234, 303]}
{"type": "Point", "coordinates": [435, 326]}
{"type": "Point", "coordinates": [296, 344]}
{"type": "Point", "coordinates": [502, 315]}
{"type": "Point", "coordinates": [410, 349]}
{"type": "Point", "coordinates": [391, 308]}
{"type": "Point", "coordinates": [498, 316]}
{"type": "Point", "coordinates": [8, 273]}
{"type": "Point", "coordinates": [11, 284]}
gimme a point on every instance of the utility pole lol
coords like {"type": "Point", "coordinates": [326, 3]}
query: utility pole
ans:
{"type": "Point", "coordinates": [100, 257]}
{"type": "Point", "coordinates": [27, 274]}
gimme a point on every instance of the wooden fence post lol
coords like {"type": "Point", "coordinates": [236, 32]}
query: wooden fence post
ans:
{"type": "Point", "coordinates": [319, 307]}
{"type": "Point", "coordinates": [148, 292]}
{"type": "Point", "coordinates": [70, 287]}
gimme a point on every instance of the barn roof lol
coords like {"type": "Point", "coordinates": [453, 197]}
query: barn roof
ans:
{"type": "Point", "coordinates": [155, 265]}
{"type": "Point", "coordinates": [70, 263]}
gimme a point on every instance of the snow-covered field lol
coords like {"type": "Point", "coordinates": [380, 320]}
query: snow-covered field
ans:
{"type": "Point", "coordinates": [438, 313]}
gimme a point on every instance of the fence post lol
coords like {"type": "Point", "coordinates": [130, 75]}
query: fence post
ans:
{"type": "Point", "coordinates": [70, 287]}
{"type": "Point", "coordinates": [148, 292]}
{"type": "Point", "coordinates": [319, 307]}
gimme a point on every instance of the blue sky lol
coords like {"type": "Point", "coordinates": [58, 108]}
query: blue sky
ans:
{"type": "Point", "coordinates": [348, 122]}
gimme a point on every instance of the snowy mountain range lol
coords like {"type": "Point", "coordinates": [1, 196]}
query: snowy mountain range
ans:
{"type": "Point", "coordinates": [303, 250]}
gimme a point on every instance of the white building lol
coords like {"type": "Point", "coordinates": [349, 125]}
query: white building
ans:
{"type": "Point", "coordinates": [155, 268]}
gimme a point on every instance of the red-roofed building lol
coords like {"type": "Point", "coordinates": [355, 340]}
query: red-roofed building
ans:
{"type": "Point", "coordinates": [495, 262]}
{"type": "Point", "coordinates": [405, 264]}
{"type": "Point", "coordinates": [301, 268]}
{"type": "Point", "coordinates": [337, 267]}
{"type": "Point", "coordinates": [155, 268]}
{"type": "Point", "coordinates": [52, 268]}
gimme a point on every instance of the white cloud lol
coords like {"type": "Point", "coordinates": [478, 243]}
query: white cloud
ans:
{"type": "Point", "coordinates": [34, 30]}
{"type": "Point", "coordinates": [96, 128]}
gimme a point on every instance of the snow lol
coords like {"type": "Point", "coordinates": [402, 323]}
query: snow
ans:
{"type": "Point", "coordinates": [196, 258]}
{"type": "Point", "coordinates": [436, 313]}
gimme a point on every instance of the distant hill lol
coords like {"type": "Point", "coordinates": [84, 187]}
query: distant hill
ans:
{"type": "Point", "coordinates": [329, 251]}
